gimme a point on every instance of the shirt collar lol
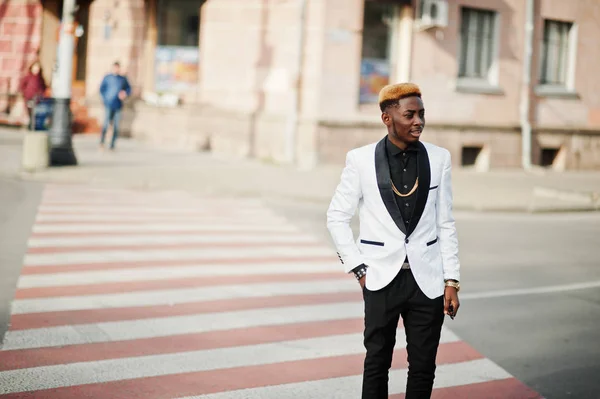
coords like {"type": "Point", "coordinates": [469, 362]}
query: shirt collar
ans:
{"type": "Point", "coordinates": [394, 150]}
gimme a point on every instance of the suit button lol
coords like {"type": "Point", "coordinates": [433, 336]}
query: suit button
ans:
{"type": "Point", "coordinates": [406, 241]}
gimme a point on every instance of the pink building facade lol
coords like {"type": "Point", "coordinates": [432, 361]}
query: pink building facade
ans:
{"type": "Point", "coordinates": [296, 81]}
{"type": "Point", "coordinates": [470, 68]}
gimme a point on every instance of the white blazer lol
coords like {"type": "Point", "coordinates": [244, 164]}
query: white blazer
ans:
{"type": "Point", "coordinates": [430, 242]}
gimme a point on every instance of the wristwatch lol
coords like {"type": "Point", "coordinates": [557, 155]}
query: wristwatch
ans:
{"type": "Point", "coordinates": [452, 283]}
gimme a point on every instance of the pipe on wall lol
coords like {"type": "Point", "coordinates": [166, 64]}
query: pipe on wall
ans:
{"type": "Point", "coordinates": [525, 104]}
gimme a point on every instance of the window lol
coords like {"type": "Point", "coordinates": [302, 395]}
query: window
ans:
{"type": "Point", "coordinates": [179, 22]}
{"type": "Point", "coordinates": [555, 53]}
{"type": "Point", "coordinates": [177, 54]}
{"type": "Point", "coordinates": [477, 43]}
{"type": "Point", "coordinates": [376, 48]}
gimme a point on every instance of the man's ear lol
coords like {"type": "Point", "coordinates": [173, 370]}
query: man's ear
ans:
{"type": "Point", "coordinates": [386, 119]}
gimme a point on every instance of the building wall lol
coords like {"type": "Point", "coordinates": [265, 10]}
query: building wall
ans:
{"type": "Point", "coordinates": [584, 110]}
{"type": "Point", "coordinates": [247, 79]}
{"type": "Point", "coordinates": [248, 74]}
{"type": "Point", "coordinates": [125, 20]}
{"type": "Point", "coordinates": [116, 33]}
{"type": "Point", "coordinates": [20, 28]}
{"type": "Point", "coordinates": [487, 118]}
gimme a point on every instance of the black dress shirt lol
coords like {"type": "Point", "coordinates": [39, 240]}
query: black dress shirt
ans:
{"type": "Point", "coordinates": [404, 173]}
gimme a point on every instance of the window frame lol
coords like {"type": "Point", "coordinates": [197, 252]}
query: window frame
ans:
{"type": "Point", "coordinates": [567, 85]}
{"type": "Point", "coordinates": [488, 82]}
{"type": "Point", "coordinates": [392, 49]}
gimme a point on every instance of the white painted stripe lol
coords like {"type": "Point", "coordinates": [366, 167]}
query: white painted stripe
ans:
{"type": "Point", "coordinates": [90, 194]}
{"type": "Point", "coordinates": [446, 375]}
{"type": "Point", "coordinates": [213, 217]}
{"type": "Point", "coordinates": [73, 258]}
{"type": "Point", "coordinates": [155, 208]}
{"type": "Point", "coordinates": [172, 272]}
{"type": "Point", "coordinates": [162, 227]}
{"type": "Point", "coordinates": [48, 377]}
{"type": "Point", "coordinates": [171, 297]}
{"type": "Point", "coordinates": [167, 326]}
{"type": "Point", "coordinates": [531, 291]}
{"type": "Point", "coordinates": [166, 239]}
{"type": "Point", "coordinates": [148, 366]}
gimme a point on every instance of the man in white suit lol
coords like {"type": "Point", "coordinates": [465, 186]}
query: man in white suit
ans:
{"type": "Point", "coordinates": [406, 255]}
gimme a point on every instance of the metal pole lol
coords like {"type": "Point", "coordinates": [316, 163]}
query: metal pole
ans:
{"type": "Point", "coordinates": [61, 145]}
{"type": "Point", "coordinates": [292, 128]}
{"type": "Point", "coordinates": [526, 134]}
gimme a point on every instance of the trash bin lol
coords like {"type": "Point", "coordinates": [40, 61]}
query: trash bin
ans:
{"type": "Point", "coordinates": [42, 114]}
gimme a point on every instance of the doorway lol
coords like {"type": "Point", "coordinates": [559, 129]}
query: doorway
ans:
{"type": "Point", "coordinates": [82, 23]}
{"type": "Point", "coordinates": [51, 17]}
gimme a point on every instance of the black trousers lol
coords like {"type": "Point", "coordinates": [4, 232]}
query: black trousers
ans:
{"type": "Point", "coordinates": [422, 317]}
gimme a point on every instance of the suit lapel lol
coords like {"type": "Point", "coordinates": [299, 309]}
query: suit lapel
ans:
{"type": "Point", "coordinates": [424, 173]}
{"type": "Point", "coordinates": [384, 182]}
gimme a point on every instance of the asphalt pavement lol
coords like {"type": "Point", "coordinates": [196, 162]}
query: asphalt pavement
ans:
{"type": "Point", "coordinates": [18, 206]}
{"type": "Point", "coordinates": [530, 293]}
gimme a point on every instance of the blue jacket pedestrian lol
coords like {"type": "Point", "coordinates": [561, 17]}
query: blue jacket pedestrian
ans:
{"type": "Point", "coordinates": [114, 89]}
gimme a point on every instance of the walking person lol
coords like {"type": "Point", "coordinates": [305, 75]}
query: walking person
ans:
{"type": "Point", "coordinates": [32, 89]}
{"type": "Point", "coordinates": [114, 90]}
{"type": "Point", "coordinates": [406, 256]}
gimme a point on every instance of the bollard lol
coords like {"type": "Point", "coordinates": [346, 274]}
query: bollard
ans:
{"type": "Point", "coordinates": [35, 151]}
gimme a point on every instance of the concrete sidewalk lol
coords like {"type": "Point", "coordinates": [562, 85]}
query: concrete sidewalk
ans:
{"type": "Point", "coordinates": [138, 166]}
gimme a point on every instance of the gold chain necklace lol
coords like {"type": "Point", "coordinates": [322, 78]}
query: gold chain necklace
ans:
{"type": "Point", "coordinates": [407, 194]}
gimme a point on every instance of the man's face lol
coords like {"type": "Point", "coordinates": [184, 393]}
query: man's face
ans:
{"type": "Point", "coordinates": [405, 121]}
{"type": "Point", "coordinates": [116, 69]}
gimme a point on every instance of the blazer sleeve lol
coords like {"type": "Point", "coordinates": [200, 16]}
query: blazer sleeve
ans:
{"type": "Point", "coordinates": [446, 228]}
{"type": "Point", "coordinates": [339, 215]}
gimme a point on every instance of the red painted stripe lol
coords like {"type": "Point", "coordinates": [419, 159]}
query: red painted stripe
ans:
{"type": "Point", "coordinates": [205, 382]}
{"type": "Point", "coordinates": [74, 317]}
{"type": "Point", "coordinates": [166, 284]}
{"type": "Point", "coordinates": [142, 247]}
{"type": "Point", "coordinates": [48, 269]}
{"type": "Point", "coordinates": [510, 388]}
{"type": "Point", "coordinates": [240, 232]}
{"type": "Point", "coordinates": [25, 358]}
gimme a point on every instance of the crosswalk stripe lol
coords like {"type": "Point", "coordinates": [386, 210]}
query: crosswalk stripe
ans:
{"type": "Point", "coordinates": [496, 389]}
{"type": "Point", "coordinates": [168, 247]}
{"type": "Point", "coordinates": [151, 254]}
{"type": "Point", "coordinates": [81, 228]}
{"type": "Point", "coordinates": [164, 326]}
{"type": "Point", "coordinates": [145, 220]}
{"type": "Point", "coordinates": [73, 317]}
{"type": "Point", "coordinates": [173, 272]}
{"type": "Point", "coordinates": [135, 213]}
{"type": "Point", "coordinates": [156, 209]}
{"type": "Point", "coordinates": [169, 283]}
{"type": "Point", "coordinates": [47, 377]}
{"type": "Point", "coordinates": [346, 387]}
{"type": "Point", "coordinates": [153, 295]}
{"type": "Point", "coordinates": [165, 239]}
{"type": "Point", "coordinates": [47, 356]}
{"type": "Point", "coordinates": [120, 265]}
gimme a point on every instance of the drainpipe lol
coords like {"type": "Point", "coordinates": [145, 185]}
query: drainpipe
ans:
{"type": "Point", "coordinates": [525, 108]}
{"type": "Point", "coordinates": [406, 39]}
{"type": "Point", "coordinates": [291, 131]}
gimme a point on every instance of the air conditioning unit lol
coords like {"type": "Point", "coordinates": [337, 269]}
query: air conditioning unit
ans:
{"type": "Point", "coordinates": [432, 14]}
